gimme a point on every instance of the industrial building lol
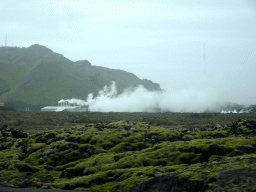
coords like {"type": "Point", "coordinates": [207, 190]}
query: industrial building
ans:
{"type": "Point", "coordinates": [64, 105]}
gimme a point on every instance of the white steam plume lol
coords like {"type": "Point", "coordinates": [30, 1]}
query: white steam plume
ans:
{"type": "Point", "coordinates": [142, 100]}
{"type": "Point", "coordinates": [235, 111]}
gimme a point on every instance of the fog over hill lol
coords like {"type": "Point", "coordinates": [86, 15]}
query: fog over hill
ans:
{"type": "Point", "coordinates": [36, 77]}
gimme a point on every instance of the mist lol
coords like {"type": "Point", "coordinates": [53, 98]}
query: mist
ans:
{"type": "Point", "coordinates": [139, 99]}
{"type": "Point", "coordinates": [173, 43]}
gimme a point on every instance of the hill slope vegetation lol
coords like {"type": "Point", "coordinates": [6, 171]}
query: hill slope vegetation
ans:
{"type": "Point", "coordinates": [36, 76]}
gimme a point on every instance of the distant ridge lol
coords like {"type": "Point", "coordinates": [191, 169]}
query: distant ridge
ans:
{"type": "Point", "coordinates": [36, 76]}
{"type": "Point", "coordinates": [39, 48]}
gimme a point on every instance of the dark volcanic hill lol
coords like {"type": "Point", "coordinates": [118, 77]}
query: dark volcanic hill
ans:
{"type": "Point", "coordinates": [36, 76]}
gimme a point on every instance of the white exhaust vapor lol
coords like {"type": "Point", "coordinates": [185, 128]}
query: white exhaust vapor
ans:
{"type": "Point", "coordinates": [142, 100]}
{"type": "Point", "coordinates": [235, 111]}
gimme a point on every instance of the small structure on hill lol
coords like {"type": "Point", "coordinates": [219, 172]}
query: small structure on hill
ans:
{"type": "Point", "coordinates": [64, 105]}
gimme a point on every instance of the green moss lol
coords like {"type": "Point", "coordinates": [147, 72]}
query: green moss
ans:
{"type": "Point", "coordinates": [189, 175]}
{"type": "Point", "coordinates": [32, 139]}
{"type": "Point", "coordinates": [67, 165]}
{"type": "Point", "coordinates": [253, 189]}
{"type": "Point", "coordinates": [210, 186]}
{"type": "Point", "coordinates": [35, 146]}
{"type": "Point", "coordinates": [131, 157]}
{"type": "Point", "coordinates": [33, 158]}
{"type": "Point", "coordinates": [45, 172]}
{"type": "Point", "coordinates": [11, 173]}
{"type": "Point", "coordinates": [187, 158]}
{"type": "Point", "coordinates": [232, 142]}
{"type": "Point", "coordinates": [4, 155]}
{"type": "Point", "coordinates": [216, 158]}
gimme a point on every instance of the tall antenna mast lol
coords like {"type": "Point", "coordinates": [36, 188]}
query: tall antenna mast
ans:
{"type": "Point", "coordinates": [6, 41]}
{"type": "Point", "coordinates": [204, 58]}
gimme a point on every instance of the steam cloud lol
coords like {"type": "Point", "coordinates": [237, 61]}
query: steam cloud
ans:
{"type": "Point", "coordinates": [142, 100]}
{"type": "Point", "coordinates": [235, 111]}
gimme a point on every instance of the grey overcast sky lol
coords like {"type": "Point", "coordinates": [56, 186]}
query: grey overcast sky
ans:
{"type": "Point", "coordinates": [160, 40]}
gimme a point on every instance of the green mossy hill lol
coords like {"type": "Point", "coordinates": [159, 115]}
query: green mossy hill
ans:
{"type": "Point", "coordinates": [131, 156]}
{"type": "Point", "coordinates": [36, 77]}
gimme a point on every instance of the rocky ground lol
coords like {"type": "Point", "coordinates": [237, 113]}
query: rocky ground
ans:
{"type": "Point", "coordinates": [132, 157]}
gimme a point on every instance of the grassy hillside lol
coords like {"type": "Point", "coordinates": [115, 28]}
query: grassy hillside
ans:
{"type": "Point", "coordinates": [36, 77]}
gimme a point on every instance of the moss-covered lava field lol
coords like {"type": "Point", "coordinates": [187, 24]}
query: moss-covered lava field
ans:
{"type": "Point", "coordinates": [129, 151]}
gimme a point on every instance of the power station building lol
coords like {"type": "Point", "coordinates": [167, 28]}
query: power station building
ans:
{"type": "Point", "coordinates": [64, 105]}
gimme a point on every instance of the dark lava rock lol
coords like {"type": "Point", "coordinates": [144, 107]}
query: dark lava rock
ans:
{"type": "Point", "coordinates": [85, 184]}
{"type": "Point", "coordinates": [4, 166]}
{"type": "Point", "coordinates": [11, 132]}
{"type": "Point", "coordinates": [87, 149]}
{"type": "Point", "coordinates": [78, 140]}
{"type": "Point", "coordinates": [100, 126]}
{"type": "Point", "coordinates": [218, 150]}
{"type": "Point", "coordinates": [127, 128]}
{"type": "Point", "coordinates": [26, 168]}
{"type": "Point", "coordinates": [55, 139]}
{"type": "Point", "coordinates": [166, 183]}
{"type": "Point", "coordinates": [23, 181]}
{"type": "Point", "coordinates": [47, 179]}
{"type": "Point", "coordinates": [46, 137]}
{"type": "Point", "coordinates": [235, 153]}
{"type": "Point", "coordinates": [25, 184]}
{"type": "Point", "coordinates": [69, 187]}
{"type": "Point", "coordinates": [4, 180]}
{"type": "Point", "coordinates": [9, 145]}
{"type": "Point", "coordinates": [245, 177]}
{"type": "Point", "coordinates": [218, 135]}
{"type": "Point", "coordinates": [68, 174]}
{"type": "Point", "coordinates": [184, 138]}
